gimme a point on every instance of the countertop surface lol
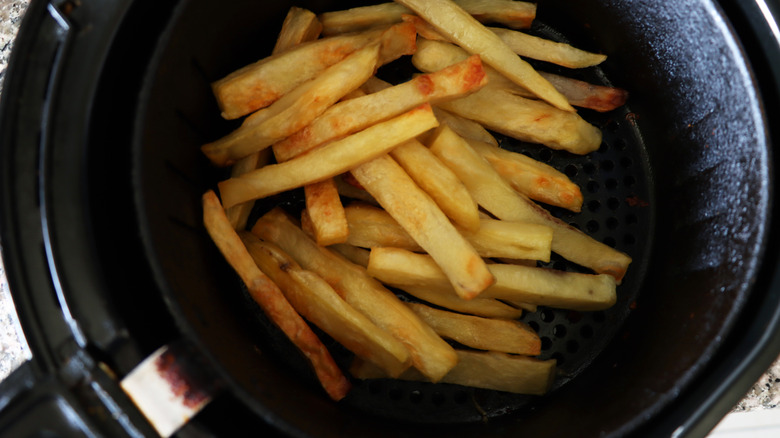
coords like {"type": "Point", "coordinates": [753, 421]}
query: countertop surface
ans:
{"type": "Point", "coordinates": [763, 398]}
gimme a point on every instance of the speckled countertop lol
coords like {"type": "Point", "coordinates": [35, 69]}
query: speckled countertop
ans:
{"type": "Point", "coordinates": [764, 396]}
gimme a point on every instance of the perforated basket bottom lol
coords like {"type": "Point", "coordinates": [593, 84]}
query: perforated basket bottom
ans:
{"type": "Point", "coordinates": [617, 188]}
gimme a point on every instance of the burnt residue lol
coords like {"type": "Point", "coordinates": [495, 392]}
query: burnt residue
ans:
{"type": "Point", "coordinates": [186, 374]}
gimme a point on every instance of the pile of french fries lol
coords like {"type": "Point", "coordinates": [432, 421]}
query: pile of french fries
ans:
{"type": "Point", "coordinates": [407, 188]}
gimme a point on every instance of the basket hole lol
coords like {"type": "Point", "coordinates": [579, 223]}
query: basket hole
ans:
{"type": "Point", "coordinates": [594, 205]}
{"type": "Point", "coordinates": [586, 331]}
{"type": "Point", "coordinates": [592, 186]}
{"type": "Point", "coordinates": [610, 241]}
{"type": "Point", "coordinates": [547, 315]}
{"type": "Point", "coordinates": [571, 170]}
{"type": "Point", "coordinates": [559, 331]}
{"type": "Point", "coordinates": [559, 358]}
{"type": "Point", "coordinates": [629, 181]}
{"type": "Point", "coordinates": [592, 226]}
{"type": "Point", "coordinates": [613, 203]}
{"type": "Point", "coordinates": [415, 396]}
{"type": "Point", "coordinates": [619, 144]}
{"type": "Point", "coordinates": [545, 155]}
{"type": "Point", "coordinates": [534, 325]}
{"type": "Point", "coordinates": [607, 165]}
{"type": "Point", "coordinates": [546, 343]}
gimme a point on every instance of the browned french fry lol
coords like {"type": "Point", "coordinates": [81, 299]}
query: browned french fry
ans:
{"type": "Point", "coordinates": [316, 301]}
{"type": "Point", "coordinates": [439, 182]}
{"type": "Point", "coordinates": [296, 109]}
{"type": "Point", "coordinates": [435, 55]}
{"type": "Point", "coordinates": [482, 369]}
{"type": "Point", "coordinates": [488, 334]}
{"type": "Point", "coordinates": [271, 299]}
{"type": "Point", "coordinates": [532, 178]}
{"type": "Point", "coordinates": [371, 227]}
{"type": "Point", "coordinates": [429, 353]}
{"type": "Point", "coordinates": [486, 307]}
{"type": "Point", "coordinates": [540, 286]}
{"type": "Point", "coordinates": [461, 28]}
{"type": "Point", "coordinates": [355, 114]}
{"type": "Point", "coordinates": [324, 209]}
{"type": "Point", "coordinates": [354, 254]}
{"type": "Point", "coordinates": [546, 50]}
{"type": "Point", "coordinates": [514, 14]}
{"type": "Point", "coordinates": [299, 25]}
{"type": "Point", "coordinates": [495, 195]}
{"type": "Point", "coordinates": [585, 95]}
{"type": "Point", "coordinates": [329, 160]}
{"type": "Point", "coordinates": [260, 84]}
{"type": "Point", "coordinates": [426, 223]}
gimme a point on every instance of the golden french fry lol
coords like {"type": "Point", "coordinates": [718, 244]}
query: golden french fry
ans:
{"type": "Point", "coordinates": [514, 14]}
{"type": "Point", "coordinates": [238, 214]}
{"type": "Point", "coordinates": [416, 212]}
{"type": "Point", "coordinates": [299, 25]}
{"type": "Point", "coordinates": [329, 160]}
{"type": "Point", "coordinates": [260, 84]}
{"type": "Point", "coordinates": [429, 353]}
{"type": "Point", "coordinates": [432, 55]}
{"type": "Point", "coordinates": [358, 113]}
{"type": "Point", "coordinates": [296, 109]}
{"type": "Point", "coordinates": [546, 50]}
{"type": "Point", "coordinates": [354, 254]}
{"type": "Point", "coordinates": [539, 286]}
{"type": "Point", "coordinates": [486, 307]}
{"type": "Point", "coordinates": [464, 127]}
{"type": "Point", "coordinates": [527, 120]}
{"type": "Point", "coordinates": [316, 301]}
{"type": "Point", "coordinates": [495, 195]}
{"type": "Point", "coordinates": [271, 299]}
{"type": "Point", "coordinates": [461, 28]}
{"type": "Point", "coordinates": [482, 369]}
{"type": "Point", "coordinates": [371, 227]}
{"type": "Point", "coordinates": [324, 209]}
{"type": "Point", "coordinates": [532, 178]}
{"type": "Point", "coordinates": [488, 334]}
{"type": "Point", "coordinates": [439, 182]}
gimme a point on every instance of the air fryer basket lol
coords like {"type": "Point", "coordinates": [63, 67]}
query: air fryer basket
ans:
{"type": "Point", "coordinates": [681, 183]}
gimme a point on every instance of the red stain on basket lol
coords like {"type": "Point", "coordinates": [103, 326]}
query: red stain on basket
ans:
{"type": "Point", "coordinates": [179, 382]}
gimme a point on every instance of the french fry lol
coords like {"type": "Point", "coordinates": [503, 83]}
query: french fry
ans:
{"type": "Point", "coordinates": [354, 254]}
{"type": "Point", "coordinates": [271, 299]}
{"type": "Point", "coordinates": [238, 214]}
{"type": "Point", "coordinates": [371, 227]}
{"type": "Point", "coordinates": [547, 50]}
{"type": "Point", "coordinates": [429, 353]}
{"type": "Point", "coordinates": [585, 95]}
{"type": "Point", "coordinates": [355, 114]}
{"type": "Point", "coordinates": [296, 109]}
{"type": "Point", "coordinates": [316, 301]}
{"type": "Point", "coordinates": [349, 188]}
{"type": "Point", "coordinates": [329, 160]}
{"type": "Point", "coordinates": [532, 178]}
{"type": "Point", "coordinates": [432, 55]}
{"type": "Point", "coordinates": [426, 223]}
{"type": "Point", "coordinates": [300, 25]}
{"type": "Point", "coordinates": [439, 182]}
{"type": "Point", "coordinates": [539, 286]}
{"type": "Point", "coordinates": [514, 14]}
{"type": "Point", "coordinates": [495, 195]}
{"type": "Point", "coordinates": [486, 307]}
{"type": "Point", "coordinates": [461, 28]}
{"type": "Point", "coordinates": [464, 127]}
{"type": "Point", "coordinates": [481, 333]}
{"type": "Point", "coordinates": [482, 369]}
{"type": "Point", "coordinates": [527, 120]}
{"type": "Point", "coordinates": [260, 84]}
{"type": "Point", "coordinates": [326, 213]}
